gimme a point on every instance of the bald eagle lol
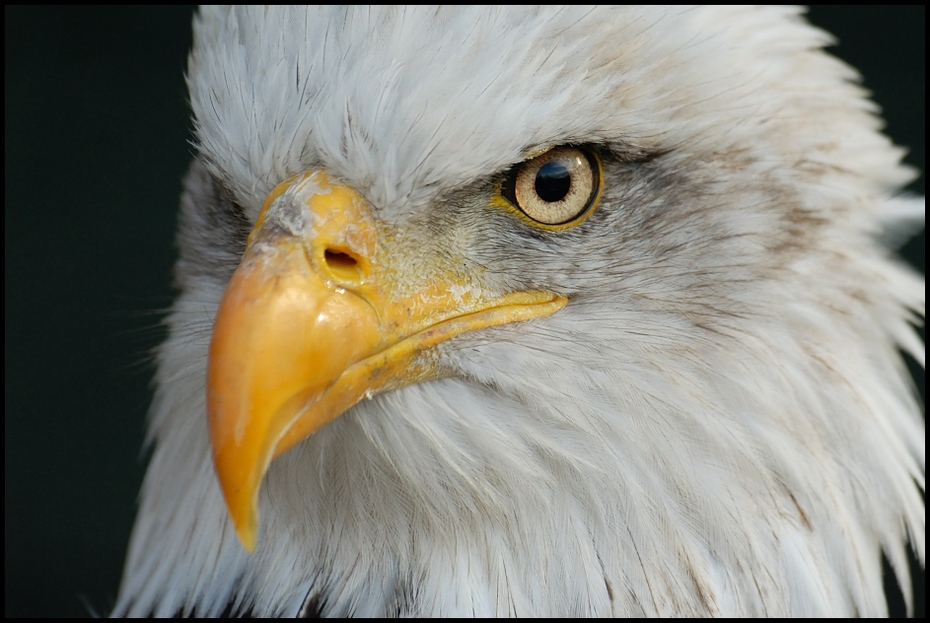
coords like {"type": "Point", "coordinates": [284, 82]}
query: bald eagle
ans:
{"type": "Point", "coordinates": [531, 311]}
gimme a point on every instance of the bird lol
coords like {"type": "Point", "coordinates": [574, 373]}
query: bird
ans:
{"type": "Point", "coordinates": [532, 311]}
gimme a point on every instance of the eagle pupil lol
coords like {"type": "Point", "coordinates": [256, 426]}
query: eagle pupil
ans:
{"type": "Point", "coordinates": [553, 181]}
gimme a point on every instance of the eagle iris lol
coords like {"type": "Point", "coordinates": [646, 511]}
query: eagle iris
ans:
{"type": "Point", "coordinates": [556, 189]}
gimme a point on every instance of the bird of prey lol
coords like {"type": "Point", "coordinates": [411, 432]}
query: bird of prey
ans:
{"type": "Point", "coordinates": [532, 311]}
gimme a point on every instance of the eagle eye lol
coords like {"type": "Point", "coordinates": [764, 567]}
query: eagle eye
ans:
{"type": "Point", "coordinates": [556, 189]}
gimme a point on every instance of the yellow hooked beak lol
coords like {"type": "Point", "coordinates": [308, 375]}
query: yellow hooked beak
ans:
{"type": "Point", "coordinates": [313, 322]}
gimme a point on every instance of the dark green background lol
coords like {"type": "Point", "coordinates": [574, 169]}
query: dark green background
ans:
{"type": "Point", "coordinates": [96, 144]}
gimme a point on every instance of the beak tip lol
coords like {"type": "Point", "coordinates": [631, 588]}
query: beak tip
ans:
{"type": "Point", "coordinates": [247, 531]}
{"type": "Point", "coordinates": [241, 501]}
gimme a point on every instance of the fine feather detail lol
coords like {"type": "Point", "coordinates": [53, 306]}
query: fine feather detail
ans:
{"type": "Point", "coordinates": [718, 423]}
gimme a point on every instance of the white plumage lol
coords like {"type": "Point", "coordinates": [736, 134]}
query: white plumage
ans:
{"type": "Point", "coordinates": [718, 422]}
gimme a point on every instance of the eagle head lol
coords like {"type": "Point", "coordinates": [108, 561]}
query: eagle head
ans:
{"type": "Point", "coordinates": [531, 311]}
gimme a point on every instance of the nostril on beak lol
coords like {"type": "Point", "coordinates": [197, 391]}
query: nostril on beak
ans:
{"type": "Point", "coordinates": [341, 265]}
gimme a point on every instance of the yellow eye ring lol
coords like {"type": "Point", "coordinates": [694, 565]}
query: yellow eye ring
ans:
{"type": "Point", "coordinates": [555, 190]}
